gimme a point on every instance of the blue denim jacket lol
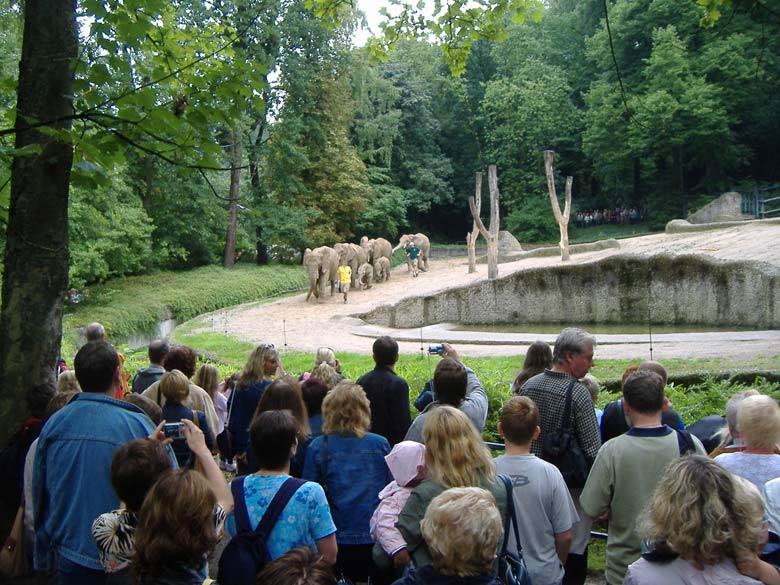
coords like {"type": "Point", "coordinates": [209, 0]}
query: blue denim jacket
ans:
{"type": "Point", "coordinates": [241, 406]}
{"type": "Point", "coordinates": [357, 472]}
{"type": "Point", "coordinates": [71, 474]}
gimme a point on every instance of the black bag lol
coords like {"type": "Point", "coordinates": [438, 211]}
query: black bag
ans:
{"type": "Point", "coordinates": [562, 449]}
{"type": "Point", "coordinates": [511, 566]}
{"type": "Point", "coordinates": [247, 552]}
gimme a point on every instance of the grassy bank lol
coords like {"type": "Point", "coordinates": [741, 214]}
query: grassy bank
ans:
{"type": "Point", "coordinates": [137, 303]}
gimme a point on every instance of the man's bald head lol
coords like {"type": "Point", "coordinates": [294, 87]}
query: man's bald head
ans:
{"type": "Point", "coordinates": [95, 332]}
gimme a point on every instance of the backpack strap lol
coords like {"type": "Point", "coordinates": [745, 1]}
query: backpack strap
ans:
{"type": "Point", "coordinates": [510, 518]}
{"type": "Point", "coordinates": [685, 443]}
{"type": "Point", "coordinates": [275, 508]}
{"type": "Point", "coordinates": [566, 420]}
{"type": "Point", "coordinates": [239, 510]}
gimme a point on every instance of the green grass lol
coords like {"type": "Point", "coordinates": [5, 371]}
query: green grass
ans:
{"type": "Point", "coordinates": [605, 232]}
{"type": "Point", "coordinates": [137, 303]}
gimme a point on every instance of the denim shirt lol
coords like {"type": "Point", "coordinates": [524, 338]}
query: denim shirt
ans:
{"type": "Point", "coordinates": [357, 472]}
{"type": "Point", "coordinates": [71, 474]}
{"type": "Point", "coordinates": [241, 406]}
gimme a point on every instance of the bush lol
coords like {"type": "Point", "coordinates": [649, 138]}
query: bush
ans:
{"type": "Point", "coordinates": [534, 222]}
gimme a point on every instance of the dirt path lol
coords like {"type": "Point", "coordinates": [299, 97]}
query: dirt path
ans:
{"type": "Point", "coordinates": [329, 322]}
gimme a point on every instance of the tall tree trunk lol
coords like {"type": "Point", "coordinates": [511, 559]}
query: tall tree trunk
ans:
{"type": "Point", "coordinates": [473, 235]}
{"type": "Point", "coordinates": [148, 165]}
{"type": "Point", "coordinates": [561, 218]}
{"type": "Point", "coordinates": [491, 234]}
{"type": "Point", "coordinates": [235, 184]}
{"type": "Point", "coordinates": [35, 277]}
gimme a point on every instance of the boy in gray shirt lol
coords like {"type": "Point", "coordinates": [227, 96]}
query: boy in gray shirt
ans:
{"type": "Point", "coordinates": [544, 508]}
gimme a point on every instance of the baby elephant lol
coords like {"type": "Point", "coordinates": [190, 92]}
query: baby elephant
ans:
{"type": "Point", "coordinates": [382, 269]}
{"type": "Point", "coordinates": [365, 275]}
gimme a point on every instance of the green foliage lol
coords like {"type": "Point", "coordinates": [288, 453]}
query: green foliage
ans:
{"type": "Point", "coordinates": [533, 221]}
{"type": "Point", "coordinates": [109, 233]}
{"type": "Point", "coordinates": [137, 303]}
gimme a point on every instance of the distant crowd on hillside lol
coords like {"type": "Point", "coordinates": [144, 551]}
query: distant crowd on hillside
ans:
{"type": "Point", "coordinates": [315, 479]}
{"type": "Point", "coordinates": [616, 216]}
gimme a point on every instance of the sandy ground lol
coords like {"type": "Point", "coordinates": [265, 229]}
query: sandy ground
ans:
{"type": "Point", "coordinates": [295, 324]}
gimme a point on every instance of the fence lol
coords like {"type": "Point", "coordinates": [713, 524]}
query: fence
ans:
{"type": "Point", "coordinates": [762, 203]}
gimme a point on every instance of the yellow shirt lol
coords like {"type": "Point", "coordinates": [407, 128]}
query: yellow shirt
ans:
{"type": "Point", "coordinates": [345, 274]}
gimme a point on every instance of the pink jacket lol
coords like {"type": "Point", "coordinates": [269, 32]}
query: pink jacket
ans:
{"type": "Point", "coordinates": [383, 530]}
{"type": "Point", "coordinates": [407, 463]}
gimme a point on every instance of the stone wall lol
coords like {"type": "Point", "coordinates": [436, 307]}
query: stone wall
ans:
{"type": "Point", "coordinates": [694, 290]}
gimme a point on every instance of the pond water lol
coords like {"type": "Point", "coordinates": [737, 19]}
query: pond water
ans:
{"type": "Point", "coordinates": [596, 328]}
{"type": "Point", "coordinates": [142, 339]}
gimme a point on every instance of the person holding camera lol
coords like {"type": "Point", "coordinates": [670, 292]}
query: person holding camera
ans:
{"type": "Point", "coordinates": [454, 385]}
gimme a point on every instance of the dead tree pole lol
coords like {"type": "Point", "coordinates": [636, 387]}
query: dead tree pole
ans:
{"type": "Point", "coordinates": [490, 235]}
{"type": "Point", "coordinates": [473, 235]}
{"type": "Point", "coordinates": [561, 218]}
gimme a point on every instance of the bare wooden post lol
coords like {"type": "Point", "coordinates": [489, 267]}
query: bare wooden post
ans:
{"type": "Point", "coordinates": [473, 235]}
{"type": "Point", "coordinates": [561, 218]}
{"type": "Point", "coordinates": [490, 235]}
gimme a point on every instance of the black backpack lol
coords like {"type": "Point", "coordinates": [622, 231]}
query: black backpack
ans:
{"type": "Point", "coordinates": [247, 552]}
{"type": "Point", "coordinates": [562, 449]}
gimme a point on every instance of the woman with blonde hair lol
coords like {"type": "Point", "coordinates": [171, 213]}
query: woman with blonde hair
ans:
{"type": "Point", "coordinates": [699, 521]}
{"type": "Point", "coordinates": [758, 420]}
{"type": "Point", "coordinates": [455, 456]}
{"type": "Point", "coordinates": [349, 463]}
{"type": "Point", "coordinates": [328, 374]}
{"type": "Point", "coordinates": [207, 377]}
{"type": "Point", "coordinates": [263, 363]}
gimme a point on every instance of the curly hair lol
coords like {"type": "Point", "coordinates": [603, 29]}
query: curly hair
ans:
{"type": "Point", "coordinates": [176, 524]}
{"type": "Point", "coordinates": [299, 566]}
{"type": "Point", "coordinates": [254, 369]}
{"type": "Point", "coordinates": [346, 410]}
{"type": "Point", "coordinates": [703, 512]}
{"type": "Point", "coordinates": [67, 382]}
{"type": "Point", "coordinates": [454, 451]}
{"type": "Point", "coordinates": [181, 358]}
{"type": "Point", "coordinates": [758, 420]}
{"type": "Point", "coordinates": [285, 394]}
{"type": "Point", "coordinates": [462, 527]}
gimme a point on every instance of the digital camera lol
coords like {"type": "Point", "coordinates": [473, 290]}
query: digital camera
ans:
{"type": "Point", "coordinates": [173, 430]}
{"type": "Point", "coordinates": [436, 349]}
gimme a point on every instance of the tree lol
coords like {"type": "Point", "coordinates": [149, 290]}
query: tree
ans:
{"type": "Point", "coordinates": [35, 275]}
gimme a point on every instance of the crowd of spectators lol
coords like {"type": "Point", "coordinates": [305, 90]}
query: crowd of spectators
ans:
{"type": "Point", "coordinates": [337, 482]}
{"type": "Point", "coordinates": [617, 216]}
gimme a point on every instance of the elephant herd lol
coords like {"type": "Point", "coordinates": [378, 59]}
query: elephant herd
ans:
{"type": "Point", "coordinates": [370, 262]}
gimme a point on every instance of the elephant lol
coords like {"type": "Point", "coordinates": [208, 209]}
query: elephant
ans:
{"type": "Point", "coordinates": [353, 256]}
{"type": "Point", "coordinates": [422, 242]}
{"type": "Point", "coordinates": [377, 248]}
{"type": "Point", "coordinates": [365, 276]}
{"type": "Point", "coordinates": [322, 265]}
{"type": "Point", "coordinates": [382, 269]}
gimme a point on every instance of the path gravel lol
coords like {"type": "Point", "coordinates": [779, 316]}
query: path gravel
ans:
{"type": "Point", "coordinates": [296, 324]}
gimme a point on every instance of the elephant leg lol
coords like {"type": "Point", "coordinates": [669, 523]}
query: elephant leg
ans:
{"type": "Point", "coordinates": [424, 262]}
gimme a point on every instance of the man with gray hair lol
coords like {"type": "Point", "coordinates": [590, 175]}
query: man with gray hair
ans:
{"type": "Point", "coordinates": [572, 358]}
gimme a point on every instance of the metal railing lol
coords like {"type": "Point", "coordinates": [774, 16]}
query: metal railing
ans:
{"type": "Point", "coordinates": [762, 203]}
